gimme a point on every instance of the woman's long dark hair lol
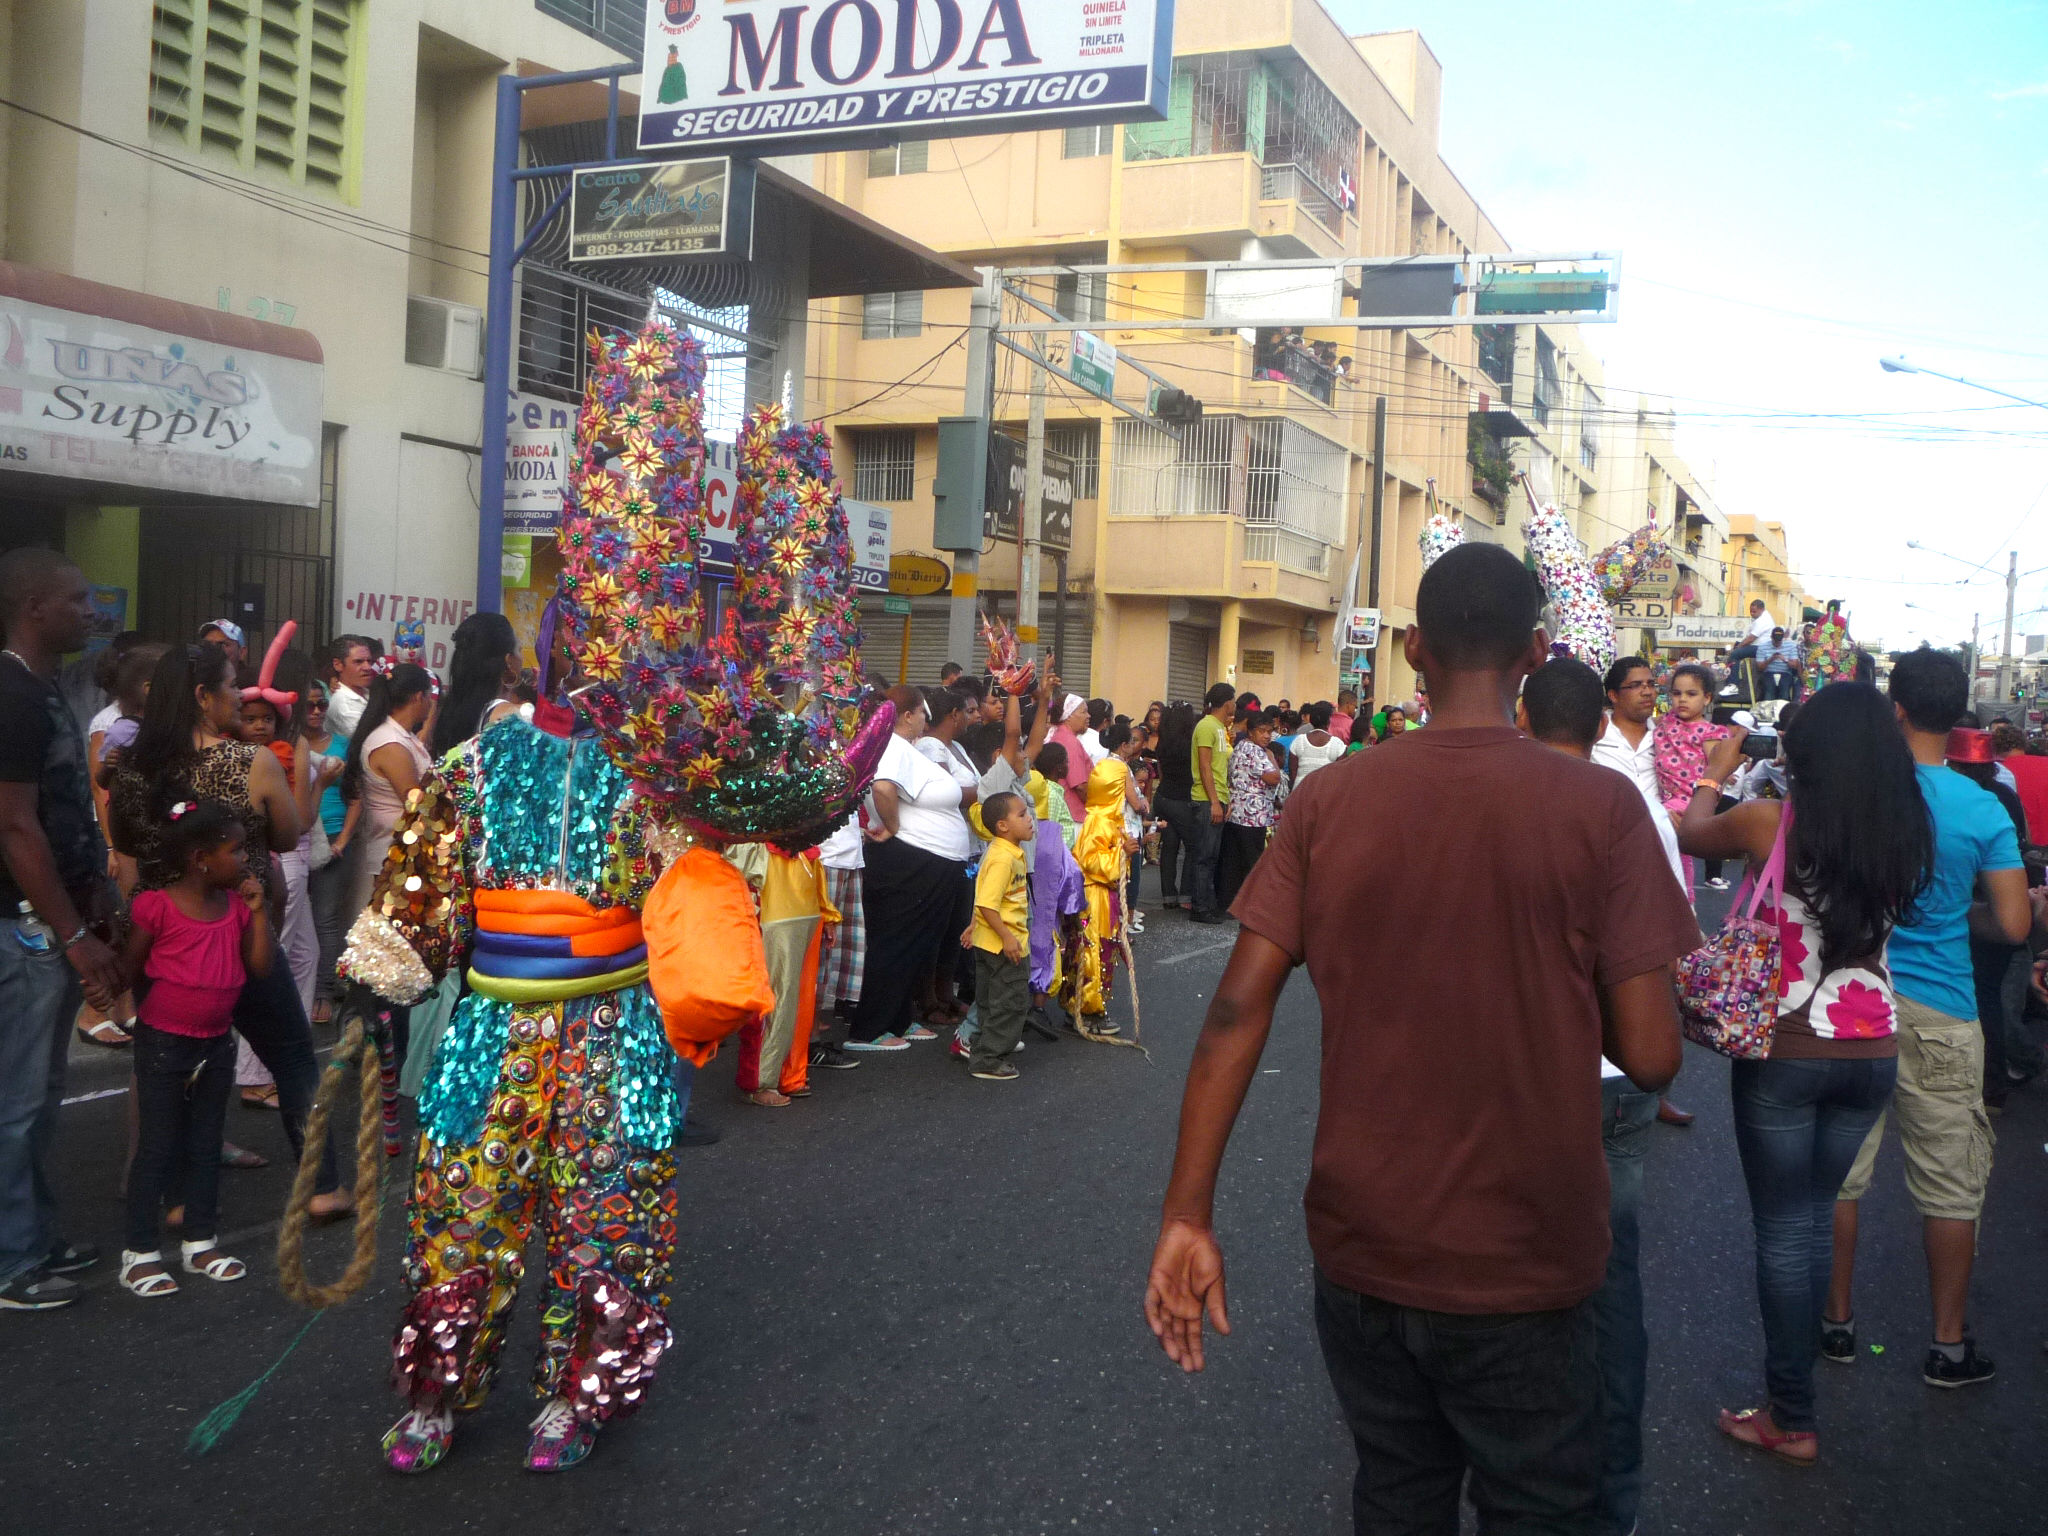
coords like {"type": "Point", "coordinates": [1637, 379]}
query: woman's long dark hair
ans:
{"type": "Point", "coordinates": [476, 672]}
{"type": "Point", "coordinates": [1176, 733]}
{"type": "Point", "coordinates": [406, 683]}
{"type": "Point", "coordinates": [1861, 847]}
{"type": "Point", "coordinates": [162, 751]}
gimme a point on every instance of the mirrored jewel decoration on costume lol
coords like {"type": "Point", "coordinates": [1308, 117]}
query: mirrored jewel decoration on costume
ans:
{"type": "Point", "coordinates": [1627, 561]}
{"type": "Point", "coordinates": [753, 724]}
{"type": "Point", "coordinates": [1581, 624]}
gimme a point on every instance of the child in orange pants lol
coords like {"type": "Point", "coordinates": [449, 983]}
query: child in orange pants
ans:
{"type": "Point", "coordinates": [775, 1050]}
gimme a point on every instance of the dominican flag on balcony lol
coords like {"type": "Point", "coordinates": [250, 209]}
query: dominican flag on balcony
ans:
{"type": "Point", "coordinates": [1347, 191]}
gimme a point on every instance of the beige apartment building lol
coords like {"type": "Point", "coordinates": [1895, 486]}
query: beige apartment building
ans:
{"type": "Point", "coordinates": [1228, 556]}
{"type": "Point", "coordinates": [1760, 566]}
{"type": "Point", "coordinates": [264, 217]}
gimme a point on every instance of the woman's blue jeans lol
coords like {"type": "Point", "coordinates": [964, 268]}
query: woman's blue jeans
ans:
{"type": "Point", "coordinates": [1798, 1126]}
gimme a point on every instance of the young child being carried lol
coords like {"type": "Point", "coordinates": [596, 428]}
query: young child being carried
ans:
{"type": "Point", "coordinates": [1684, 735]}
{"type": "Point", "coordinates": [193, 944]}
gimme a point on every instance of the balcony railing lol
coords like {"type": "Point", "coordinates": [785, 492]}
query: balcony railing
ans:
{"type": "Point", "coordinates": [1291, 182]}
{"type": "Point", "coordinates": [1284, 547]}
{"type": "Point", "coordinates": [1274, 358]}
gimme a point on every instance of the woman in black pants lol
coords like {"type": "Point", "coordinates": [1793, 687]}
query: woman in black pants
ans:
{"type": "Point", "coordinates": [185, 740]}
{"type": "Point", "coordinates": [917, 852]}
{"type": "Point", "coordinates": [1174, 803]}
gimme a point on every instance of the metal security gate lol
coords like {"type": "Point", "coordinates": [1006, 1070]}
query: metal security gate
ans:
{"type": "Point", "coordinates": [1187, 664]}
{"type": "Point", "coordinates": [205, 562]}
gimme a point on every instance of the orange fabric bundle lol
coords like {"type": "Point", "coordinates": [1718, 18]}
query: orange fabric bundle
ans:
{"type": "Point", "coordinates": [592, 930]}
{"type": "Point", "coordinates": [705, 961]}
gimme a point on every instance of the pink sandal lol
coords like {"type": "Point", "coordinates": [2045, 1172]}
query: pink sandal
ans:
{"type": "Point", "coordinates": [1753, 1426]}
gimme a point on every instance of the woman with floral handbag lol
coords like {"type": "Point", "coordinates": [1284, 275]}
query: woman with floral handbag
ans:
{"type": "Point", "coordinates": [1840, 864]}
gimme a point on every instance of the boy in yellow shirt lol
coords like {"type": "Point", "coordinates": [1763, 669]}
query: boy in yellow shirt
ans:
{"type": "Point", "coordinates": [1002, 938]}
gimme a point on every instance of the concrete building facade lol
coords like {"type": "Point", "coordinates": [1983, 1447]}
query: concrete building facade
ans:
{"type": "Point", "coordinates": [295, 192]}
{"type": "Point", "coordinates": [1227, 557]}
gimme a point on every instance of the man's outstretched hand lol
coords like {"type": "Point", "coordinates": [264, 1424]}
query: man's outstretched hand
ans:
{"type": "Point", "coordinates": [1186, 1281]}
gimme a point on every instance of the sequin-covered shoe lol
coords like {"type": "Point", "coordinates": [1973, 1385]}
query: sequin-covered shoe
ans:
{"type": "Point", "coordinates": [560, 1439]}
{"type": "Point", "coordinates": [417, 1442]}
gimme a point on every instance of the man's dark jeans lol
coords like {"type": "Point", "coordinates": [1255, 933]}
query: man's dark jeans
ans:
{"type": "Point", "coordinates": [1513, 1397]}
{"type": "Point", "coordinates": [1206, 840]}
{"type": "Point", "coordinates": [1626, 1116]}
{"type": "Point", "coordinates": [1798, 1127]}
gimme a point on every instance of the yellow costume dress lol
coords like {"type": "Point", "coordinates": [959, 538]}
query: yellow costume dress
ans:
{"type": "Point", "coordinates": [1099, 850]}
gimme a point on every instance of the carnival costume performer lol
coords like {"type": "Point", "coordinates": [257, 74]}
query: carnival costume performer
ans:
{"type": "Point", "coordinates": [569, 866]}
{"type": "Point", "coordinates": [1104, 862]}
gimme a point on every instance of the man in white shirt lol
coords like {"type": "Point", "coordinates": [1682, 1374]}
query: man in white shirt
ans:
{"type": "Point", "coordinates": [348, 682]}
{"type": "Point", "coordinates": [1561, 707]}
{"type": "Point", "coordinates": [1629, 743]}
{"type": "Point", "coordinates": [1760, 621]}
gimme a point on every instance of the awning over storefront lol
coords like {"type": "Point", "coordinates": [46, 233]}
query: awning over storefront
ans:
{"type": "Point", "coordinates": [116, 388]}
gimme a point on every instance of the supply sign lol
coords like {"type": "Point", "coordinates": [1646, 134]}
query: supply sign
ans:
{"type": "Point", "coordinates": [757, 71]}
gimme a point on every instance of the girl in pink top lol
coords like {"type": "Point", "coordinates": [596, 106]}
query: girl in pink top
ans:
{"type": "Point", "coordinates": [193, 945]}
{"type": "Point", "coordinates": [1684, 735]}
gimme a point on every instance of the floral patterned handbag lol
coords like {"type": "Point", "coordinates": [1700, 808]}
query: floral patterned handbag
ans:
{"type": "Point", "coordinates": [1728, 987]}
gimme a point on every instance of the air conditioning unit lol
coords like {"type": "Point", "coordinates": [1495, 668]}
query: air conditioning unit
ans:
{"type": "Point", "coordinates": [439, 334]}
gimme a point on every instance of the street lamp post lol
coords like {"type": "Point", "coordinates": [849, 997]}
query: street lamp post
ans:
{"type": "Point", "coordinates": [1900, 365]}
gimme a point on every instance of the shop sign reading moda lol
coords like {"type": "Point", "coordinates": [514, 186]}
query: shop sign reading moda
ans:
{"type": "Point", "coordinates": [86, 397]}
{"type": "Point", "coordinates": [756, 71]}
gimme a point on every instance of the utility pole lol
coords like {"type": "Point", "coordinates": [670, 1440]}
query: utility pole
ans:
{"type": "Point", "coordinates": [1379, 496]}
{"type": "Point", "coordinates": [1973, 659]}
{"type": "Point", "coordinates": [2012, 581]}
{"type": "Point", "coordinates": [979, 402]}
{"type": "Point", "coordinates": [1028, 529]}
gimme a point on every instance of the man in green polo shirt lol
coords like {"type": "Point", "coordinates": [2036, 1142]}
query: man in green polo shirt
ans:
{"type": "Point", "coordinates": [1210, 766]}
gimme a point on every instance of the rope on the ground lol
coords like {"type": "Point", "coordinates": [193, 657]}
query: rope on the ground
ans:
{"type": "Point", "coordinates": [211, 1430]}
{"type": "Point", "coordinates": [1136, 1042]}
{"type": "Point", "coordinates": [360, 1044]}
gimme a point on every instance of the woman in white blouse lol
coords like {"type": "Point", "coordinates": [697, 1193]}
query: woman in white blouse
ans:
{"type": "Point", "coordinates": [918, 848]}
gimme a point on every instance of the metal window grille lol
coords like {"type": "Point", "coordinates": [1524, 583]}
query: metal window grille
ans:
{"type": "Point", "coordinates": [1082, 296]}
{"type": "Point", "coordinates": [1285, 481]}
{"type": "Point", "coordinates": [1306, 127]}
{"type": "Point", "coordinates": [884, 464]}
{"type": "Point", "coordinates": [905, 159]}
{"type": "Point", "coordinates": [618, 23]}
{"type": "Point", "coordinates": [1086, 142]}
{"type": "Point", "coordinates": [887, 316]}
{"type": "Point", "coordinates": [1497, 356]}
{"type": "Point", "coordinates": [1080, 441]}
{"type": "Point", "coordinates": [264, 83]}
{"type": "Point", "coordinates": [1546, 391]}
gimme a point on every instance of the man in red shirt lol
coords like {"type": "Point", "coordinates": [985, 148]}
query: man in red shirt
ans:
{"type": "Point", "coordinates": [1457, 1199]}
{"type": "Point", "coordinates": [2029, 772]}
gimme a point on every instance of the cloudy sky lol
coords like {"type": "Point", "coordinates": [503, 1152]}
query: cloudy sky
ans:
{"type": "Point", "coordinates": [1798, 189]}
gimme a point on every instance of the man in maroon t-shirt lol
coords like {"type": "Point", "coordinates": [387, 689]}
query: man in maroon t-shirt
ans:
{"type": "Point", "coordinates": [1457, 1198]}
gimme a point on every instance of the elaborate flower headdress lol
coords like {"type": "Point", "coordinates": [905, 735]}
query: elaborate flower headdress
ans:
{"type": "Point", "coordinates": [752, 730]}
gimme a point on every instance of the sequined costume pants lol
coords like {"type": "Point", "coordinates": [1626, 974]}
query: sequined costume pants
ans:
{"type": "Point", "coordinates": [550, 1151]}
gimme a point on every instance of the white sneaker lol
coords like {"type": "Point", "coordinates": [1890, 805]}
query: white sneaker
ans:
{"type": "Point", "coordinates": [1137, 923]}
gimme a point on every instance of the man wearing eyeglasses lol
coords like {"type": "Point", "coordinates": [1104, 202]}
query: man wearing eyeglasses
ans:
{"type": "Point", "coordinates": [1629, 743]}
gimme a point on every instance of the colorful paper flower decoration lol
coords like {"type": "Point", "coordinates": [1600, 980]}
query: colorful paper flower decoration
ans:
{"type": "Point", "coordinates": [764, 730]}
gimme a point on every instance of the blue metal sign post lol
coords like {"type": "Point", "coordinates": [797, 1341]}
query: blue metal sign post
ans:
{"type": "Point", "coordinates": [507, 247]}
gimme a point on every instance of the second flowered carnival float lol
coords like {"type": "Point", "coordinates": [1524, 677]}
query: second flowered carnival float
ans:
{"type": "Point", "coordinates": [570, 865]}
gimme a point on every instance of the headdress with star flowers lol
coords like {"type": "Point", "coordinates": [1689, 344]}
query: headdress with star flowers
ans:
{"type": "Point", "coordinates": [759, 730]}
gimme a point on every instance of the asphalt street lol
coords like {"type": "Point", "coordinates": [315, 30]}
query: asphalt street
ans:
{"type": "Point", "coordinates": [911, 1304]}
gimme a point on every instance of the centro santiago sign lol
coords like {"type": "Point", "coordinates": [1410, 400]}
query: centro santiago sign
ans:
{"type": "Point", "coordinates": [757, 71]}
